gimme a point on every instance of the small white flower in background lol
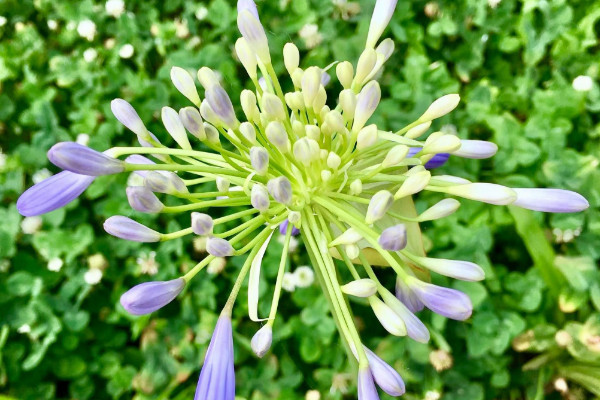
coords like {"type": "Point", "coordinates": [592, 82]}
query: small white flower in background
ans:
{"type": "Point", "coordinates": [97, 261]}
{"type": "Point", "coordinates": [288, 282]}
{"type": "Point", "coordinates": [71, 25]}
{"type": "Point", "coordinates": [31, 225]}
{"type": "Point", "coordinates": [494, 3]}
{"type": "Point", "coordinates": [311, 35]}
{"type": "Point", "coordinates": [90, 54]}
{"type": "Point", "coordinates": [55, 264]}
{"type": "Point", "coordinates": [3, 20]}
{"type": "Point", "coordinates": [2, 159]}
{"type": "Point", "coordinates": [110, 43]}
{"type": "Point", "coordinates": [346, 9]}
{"type": "Point", "coordinates": [115, 8]}
{"type": "Point", "coordinates": [92, 276]}
{"type": "Point", "coordinates": [19, 26]}
{"type": "Point", "coordinates": [52, 24]}
{"type": "Point", "coordinates": [86, 29]}
{"type": "Point", "coordinates": [25, 328]}
{"type": "Point", "coordinates": [561, 385]}
{"type": "Point", "coordinates": [181, 29]}
{"type": "Point", "coordinates": [293, 246]}
{"type": "Point", "coordinates": [432, 395]}
{"type": "Point", "coordinates": [305, 276]}
{"type": "Point", "coordinates": [201, 13]}
{"type": "Point", "coordinates": [200, 244]}
{"type": "Point", "coordinates": [126, 51]}
{"type": "Point", "coordinates": [40, 175]}
{"type": "Point", "coordinates": [147, 263]}
{"type": "Point", "coordinates": [216, 265]}
{"type": "Point", "coordinates": [583, 83]}
{"type": "Point", "coordinates": [83, 138]}
{"type": "Point", "coordinates": [313, 395]}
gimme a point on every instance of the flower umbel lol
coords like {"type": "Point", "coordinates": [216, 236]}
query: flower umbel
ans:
{"type": "Point", "coordinates": [300, 166]}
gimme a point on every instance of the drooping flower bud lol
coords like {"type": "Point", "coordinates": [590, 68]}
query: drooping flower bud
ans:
{"type": "Point", "coordinates": [550, 200]}
{"type": "Point", "coordinates": [393, 238]}
{"type": "Point", "coordinates": [175, 128]}
{"type": "Point", "coordinates": [259, 197]}
{"type": "Point", "coordinates": [143, 200]}
{"type": "Point", "coordinates": [202, 224]}
{"type": "Point", "coordinates": [414, 183]}
{"type": "Point", "coordinates": [382, 14]}
{"type": "Point", "coordinates": [360, 288]}
{"type": "Point", "coordinates": [246, 56]}
{"type": "Point", "coordinates": [148, 297]}
{"type": "Point", "coordinates": [366, 137]}
{"type": "Point", "coordinates": [476, 149]}
{"type": "Point", "coordinates": [440, 210]}
{"type": "Point", "coordinates": [259, 158]}
{"type": "Point", "coordinates": [366, 103]}
{"type": "Point", "coordinates": [366, 386]}
{"type": "Point", "coordinates": [444, 301]}
{"type": "Point", "coordinates": [127, 115]}
{"type": "Point", "coordinates": [291, 57]}
{"type": "Point", "coordinates": [128, 229]}
{"type": "Point", "coordinates": [387, 317]}
{"type": "Point", "coordinates": [219, 247]}
{"type": "Point", "coordinates": [380, 203]}
{"type": "Point", "coordinates": [82, 160]}
{"type": "Point", "coordinates": [281, 190]}
{"type": "Point", "coordinates": [184, 82]}
{"type": "Point", "coordinates": [407, 297]}
{"type": "Point", "coordinates": [440, 107]}
{"type": "Point", "coordinates": [395, 156]}
{"type": "Point", "coordinates": [192, 121]}
{"type": "Point", "coordinates": [261, 341]}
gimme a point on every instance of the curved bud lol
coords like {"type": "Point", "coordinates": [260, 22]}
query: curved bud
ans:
{"type": "Point", "coordinates": [382, 14]}
{"type": "Point", "coordinates": [550, 200]}
{"type": "Point", "coordinates": [367, 137]}
{"type": "Point", "coordinates": [259, 158]}
{"type": "Point", "coordinates": [360, 288]}
{"type": "Point", "coordinates": [476, 149]}
{"type": "Point", "coordinates": [440, 107]}
{"type": "Point", "coordinates": [278, 136]}
{"type": "Point", "coordinates": [192, 121]}
{"type": "Point", "coordinates": [395, 156]}
{"type": "Point", "coordinates": [281, 190]}
{"type": "Point", "coordinates": [440, 210]}
{"type": "Point", "coordinates": [259, 197]}
{"type": "Point", "coordinates": [387, 317]}
{"type": "Point", "coordinates": [458, 269]}
{"type": "Point", "coordinates": [291, 57]}
{"type": "Point", "coordinates": [414, 183]}
{"type": "Point", "coordinates": [219, 247]}
{"type": "Point", "coordinates": [246, 56]}
{"type": "Point", "coordinates": [184, 82]}
{"type": "Point", "coordinates": [173, 125]}
{"type": "Point", "coordinates": [202, 224]}
{"type": "Point", "coordinates": [366, 103]}
{"type": "Point", "coordinates": [148, 297]}
{"type": "Point", "coordinates": [128, 229]}
{"type": "Point", "coordinates": [254, 33]}
{"type": "Point", "coordinates": [127, 116]}
{"type": "Point", "coordinates": [393, 238]}
{"type": "Point", "coordinates": [82, 160]}
{"type": "Point", "coordinates": [418, 130]}
{"type": "Point", "coordinates": [143, 200]}
{"type": "Point", "coordinates": [261, 341]}
{"type": "Point", "coordinates": [444, 301]}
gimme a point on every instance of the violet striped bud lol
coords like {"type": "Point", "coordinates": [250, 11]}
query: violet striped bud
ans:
{"type": "Point", "coordinates": [277, 135]}
{"type": "Point", "coordinates": [440, 210]}
{"type": "Point", "coordinates": [366, 103]}
{"type": "Point", "coordinates": [143, 200]}
{"type": "Point", "coordinates": [382, 14]}
{"type": "Point", "coordinates": [192, 121]}
{"type": "Point", "coordinates": [385, 376]}
{"type": "Point", "coordinates": [202, 224]}
{"type": "Point", "coordinates": [440, 107]}
{"type": "Point", "coordinates": [259, 158]}
{"type": "Point", "coordinates": [387, 317]}
{"type": "Point", "coordinates": [82, 160]}
{"type": "Point", "coordinates": [407, 296]}
{"type": "Point", "coordinates": [128, 229]}
{"type": "Point", "coordinates": [164, 182]}
{"type": "Point", "coordinates": [126, 114]}
{"type": "Point", "coordinates": [366, 386]}
{"type": "Point", "coordinates": [393, 238]}
{"type": "Point", "coordinates": [458, 269]}
{"type": "Point", "coordinates": [360, 288]}
{"type": "Point", "coordinates": [220, 103]}
{"type": "Point", "coordinates": [219, 247]}
{"type": "Point", "coordinates": [379, 205]}
{"type": "Point", "coordinates": [476, 149]}
{"type": "Point", "coordinates": [184, 82]}
{"type": "Point", "coordinates": [281, 190]}
{"type": "Point", "coordinates": [550, 200]}
{"type": "Point", "coordinates": [148, 297]}
{"type": "Point", "coordinates": [261, 341]}
{"type": "Point", "coordinates": [444, 301]}
{"type": "Point", "coordinates": [259, 197]}
{"type": "Point", "coordinates": [254, 33]}
{"type": "Point", "coordinates": [53, 193]}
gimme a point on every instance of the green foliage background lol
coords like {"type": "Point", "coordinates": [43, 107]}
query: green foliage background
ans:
{"type": "Point", "coordinates": [513, 66]}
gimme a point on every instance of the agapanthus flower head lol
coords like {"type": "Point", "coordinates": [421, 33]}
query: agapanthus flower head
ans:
{"type": "Point", "coordinates": [308, 162]}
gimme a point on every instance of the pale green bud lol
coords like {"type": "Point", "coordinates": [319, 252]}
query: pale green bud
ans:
{"type": "Point", "coordinates": [333, 160]}
{"type": "Point", "coordinates": [345, 74]}
{"type": "Point", "coordinates": [248, 101]}
{"type": "Point", "coordinates": [311, 82]}
{"type": "Point", "coordinates": [313, 132]}
{"type": "Point", "coordinates": [379, 205]}
{"type": "Point", "coordinates": [365, 65]}
{"type": "Point", "coordinates": [320, 100]}
{"type": "Point", "coordinates": [248, 131]}
{"type": "Point", "coordinates": [356, 187]}
{"type": "Point", "coordinates": [441, 107]}
{"type": "Point", "coordinates": [222, 184]}
{"type": "Point", "coordinates": [323, 153]}
{"type": "Point", "coordinates": [360, 288]}
{"type": "Point", "coordinates": [352, 251]}
{"type": "Point", "coordinates": [485, 192]}
{"type": "Point", "coordinates": [366, 137]}
{"type": "Point", "coordinates": [395, 156]}
{"type": "Point", "coordinates": [207, 77]}
{"type": "Point", "coordinates": [303, 151]}
{"type": "Point", "coordinates": [291, 57]}
{"type": "Point", "coordinates": [294, 217]}
{"type": "Point", "coordinates": [294, 100]}
{"type": "Point", "coordinates": [277, 135]}
{"type": "Point", "coordinates": [413, 184]}
{"type": "Point", "coordinates": [350, 236]}
{"type": "Point", "coordinates": [191, 119]}
{"type": "Point", "coordinates": [297, 76]}
{"type": "Point", "coordinates": [184, 82]}
{"type": "Point", "coordinates": [246, 56]}
{"type": "Point", "coordinates": [348, 103]}
{"type": "Point", "coordinates": [212, 134]}
{"type": "Point", "coordinates": [175, 128]}
{"type": "Point", "coordinates": [442, 144]}
{"type": "Point", "coordinates": [418, 130]}
{"type": "Point", "coordinates": [259, 158]}
{"type": "Point", "coordinates": [335, 121]}
{"type": "Point", "coordinates": [439, 210]}
{"type": "Point", "coordinates": [326, 175]}
{"type": "Point", "coordinates": [273, 107]}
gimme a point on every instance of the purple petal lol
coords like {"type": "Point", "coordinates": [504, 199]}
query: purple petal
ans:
{"type": "Point", "coordinates": [150, 296]}
{"type": "Point", "coordinates": [550, 200]}
{"type": "Point", "coordinates": [444, 301]}
{"type": "Point", "coordinates": [52, 193]}
{"type": "Point", "coordinates": [283, 228]}
{"type": "Point", "coordinates": [366, 386]}
{"type": "Point", "coordinates": [82, 160]}
{"type": "Point", "coordinates": [436, 161]}
{"type": "Point", "coordinates": [386, 377]}
{"type": "Point", "coordinates": [143, 200]}
{"type": "Point", "coordinates": [407, 297]}
{"type": "Point", "coordinates": [128, 229]}
{"type": "Point", "coordinates": [248, 5]}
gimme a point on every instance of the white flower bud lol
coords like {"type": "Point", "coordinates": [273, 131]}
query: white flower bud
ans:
{"type": "Point", "coordinates": [345, 74]}
{"type": "Point", "coordinates": [367, 101]}
{"type": "Point", "coordinates": [379, 205]}
{"type": "Point", "coordinates": [259, 158]}
{"type": "Point", "coordinates": [246, 56]}
{"type": "Point", "coordinates": [313, 132]}
{"type": "Point", "coordinates": [192, 120]}
{"type": "Point", "coordinates": [294, 217]}
{"type": "Point", "coordinates": [273, 107]}
{"type": "Point", "coordinates": [248, 101]}
{"type": "Point", "coordinates": [184, 82]}
{"type": "Point", "coordinates": [291, 57]}
{"type": "Point", "coordinates": [297, 78]}
{"type": "Point", "coordinates": [348, 103]}
{"type": "Point", "coordinates": [259, 197]}
{"type": "Point", "coordinates": [127, 116]}
{"type": "Point", "coordinates": [311, 82]}
{"type": "Point", "coordinates": [382, 14]}
{"type": "Point", "coordinates": [209, 114]}
{"type": "Point", "coordinates": [366, 137]}
{"type": "Point", "coordinates": [350, 236]}
{"type": "Point", "coordinates": [395, 156]}
{"type": "Point", "coordinates": [175, 128]}
{"type": "Point", "coordinates": [320, 100]}
{"type": "Point", "coordinates": [326, 175]}
{"type": "Point", "coordinates": [202, 224]}
{"type": "Point", "coordinates": [277, 135]}
{"type": "Point", "coordinates": [248, 131]}
{"type": "Point", "coordinates": [442, 144]}
{"type": "Point", "coordinates": [414, 183]}
{"type": "Point", "coordinates": [261, 341]}
{"type": "Point", "coordinates": [440, 107]}
{"type": "Point", "coordinates": [304, 150]}
{"type": "Point", "coordinates": [360, 288]}
{"type": "Point", "coordinates": [365, 65]}
{"type": "Point", "coordinates": [222, 184]}
{"type": "Point", "coordinates": [439, 210]}
{"type": "Point", "coordinates": [485, 192]}
{"type": "Point", "coordinates": [418, 130]}
{"type": "Point", "coordinates": [281, 190]}
{"type": "Point", "coordinates": [335, 121]}
{"type": "Point", "coordinates": [254, 33]}
{"type": "Point", "coordinates": [352, 251]}
{"type": "Point", "coordinates": [212, 134]}
{"type": "Point", "coordinates": [356, 187]}
{"type": "Point", "coordinates": [333, 160]}
{"type": "Point", "coordinates": [207, 77]}
{"type": "Point", "coordinates": [387, 317]}
{"type": "Point", "coordinates": [476, 149]}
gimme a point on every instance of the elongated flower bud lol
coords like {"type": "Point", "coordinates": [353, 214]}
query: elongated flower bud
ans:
{"type": "Point", "coordinates": [415, 328]}
{"type": "Point", "coordinates": [259, 197]}
{"type": "Point", "coordinates": [128, 229]}
{"type": "Point", "coordinates": [366, 386]}
{"type": "Point", "coordinates": [259, 158]}
{"type": "Point", "coordinates": [192, 121]}
{"type": "Point", "coordinates": [407, 296]}
{"type": "Point", "coordinates": [219, 247]}
{"type": "Point", "coordinates": [440, 107]}
{"type": "Point", "coordinates": [212, 134]}
{"type": "Point", "coordinates": [385, 376]}
{"type": "Point", "coordinates": [53, 193]}
{"type": "Point", "coordinates": [246, 56]}
{"type": "Point", "coordinates": [261, 341]}
{"type": "Point", "coordinates": [281, 190]}
{"type": "Point", "coordinates": [395, 156]}
{"type": "Point", "coordinates": [277, 135]}
{"type": "Point", "coordinates": [366, 137]}
{"type": "Point", "coordinates": [248, 102]}
{"type": "Point", "coordinates": [175, 128]}
{"type": "Point", "coordinates": [393, 238]}
{"type": "Point", "coordinates": [348, 103]}
{"type": "Point", "coordinates": [143, 200]}
{"type": "Point", "coordinates": [442, 144]}
{"type": "Point", "coordinates": [366, 103]}
{"type": "Point", "coordinates": [550, 200]}
{"type": "Point", "coordinates": [485, 192]}
{"type": "Point", "coordinates": [127, 115]}
{"type": "Point", "coordinates": [360, 288]}
{"type": "Point", "coordinates": [248, 131]}
{"type": "Point", "coordinates": [291, 57]}
{"type": "Point", "coordinates": [219, 101]}
{"type": "Point", "coordinates": [418, 130]}
{"type": "Point", "coordinates": [345, 74]}
{"type": "Point", "coordinates": [463, 270]}
{"type": "Point", "coordinates": [444, 301]}
{"type": "Point", "coordinates": [440, 210]}
{"type": "Point", "coordinates": [413, 184]}
{"type": "Point", "coordinates": [248, 5]}
{"type": "Point", "coordinates": [207, 77]}
{"type": "Point", "coordinates": [350, 236]}
{"type": "Point", "coordinates": [148, 297]}
{"type": "Point", "coordinates": [380, 203]}
{"type": "Point", "coordinates": [365, 65]}
{"type": "Point", "coordinates": [382, 14]}
{"type": "Point", "coordinates": [387, 317]}
{"type": "Point", "coordinates": [184, 82]}
{"type": "Point", "coordinates": [311, 82]}
{"type": "Point", "coordinates": [202, 224]}
{"type": "Point", "coordinates": [476, 149]}
{"type": "Point", "coordinates": [254, 33]}
{"type": "Point", "coordinates": [82, 160]}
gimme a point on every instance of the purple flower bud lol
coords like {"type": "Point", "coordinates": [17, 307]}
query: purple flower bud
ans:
{"type": "Point", "coordinates": [436, 161]}
{"type": "Point", "coordinates": [128, 229]}
{"type": "Point", "coordinates": [202, 224]}
{"type": "Point", "coordinates": [148, 297]}
{"type": "Point", "coordinates": [220, 103]}
{"type": "Point", "coordinates": [407, 297]}
{"type": "Point", "coordinates": [393, 238]}
{"type": "Point", "coordinates": [261, 341]}
{"type": "Point", "coordinates": [217, 378]}
{"type": "Point", "coordinates": [219, 247]}
{"type": "Point", "coordinates": [550, 200]}
{"type": "Point", "coordinates": [366, 386]}
{"type": "Point", "coordinates": [386, 377]}
{"type": "Point", "coordinates": [52, 193]}
{"type": "Point", "coordinates": [127, 115]}
{"type": "Point", "coordinates": [248, 5]}
{"type": "Point", "coordinates": [259, 197]}
{"type": "Point", "coordinates": [82, 160]}
{"type": "Point", "coordinates": [281, 189]}
{"type": "Point", "coordinates": [284, 226]}
{"type": "Point", "coordinates": [444, 301]}
{"type": "Point", "coordinates": [143, 200]}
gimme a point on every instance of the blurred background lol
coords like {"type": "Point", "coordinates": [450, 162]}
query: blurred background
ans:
{"type": "Point", "coordinates": [527, 72]}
